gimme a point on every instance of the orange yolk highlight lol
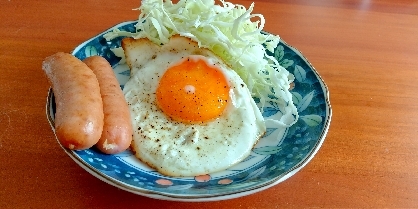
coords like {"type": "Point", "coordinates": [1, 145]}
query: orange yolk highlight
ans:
{"type": "Point", "coordinates": [193, 91]}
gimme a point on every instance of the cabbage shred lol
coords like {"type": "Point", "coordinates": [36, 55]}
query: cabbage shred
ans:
{"type": "Point", "coordinates": [229, 31]}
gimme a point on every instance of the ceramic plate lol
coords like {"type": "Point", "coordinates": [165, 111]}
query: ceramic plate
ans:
{"type": "Point", "coordinates": [279, 154]}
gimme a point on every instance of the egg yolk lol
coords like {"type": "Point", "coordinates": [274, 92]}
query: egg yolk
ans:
{"type": "Point", "coordinates": [193, 91]}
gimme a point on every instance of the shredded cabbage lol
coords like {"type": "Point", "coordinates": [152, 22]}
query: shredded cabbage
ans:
{"type": "Point", "coordinates": [228, 31]}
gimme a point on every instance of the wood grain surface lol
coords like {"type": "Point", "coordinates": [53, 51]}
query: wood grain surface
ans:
{"type": "Point", "coordinates": [366, 52]}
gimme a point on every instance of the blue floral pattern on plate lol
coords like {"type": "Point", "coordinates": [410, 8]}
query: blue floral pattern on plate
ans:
{"type": "Point", "coordinates": [278, 155]}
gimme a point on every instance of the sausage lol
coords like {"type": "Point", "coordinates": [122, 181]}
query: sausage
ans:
{"type": "Point", "coordinates": [117, 129]}
{"type": "Point", "coordinates": [79, 114]}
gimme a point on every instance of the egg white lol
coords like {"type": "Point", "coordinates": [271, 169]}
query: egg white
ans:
{"type": "Point", "coordinates": [180, 149]}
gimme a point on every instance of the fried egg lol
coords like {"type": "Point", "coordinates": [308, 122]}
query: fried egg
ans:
{"type": "Point", "coordinates": [191, 113]}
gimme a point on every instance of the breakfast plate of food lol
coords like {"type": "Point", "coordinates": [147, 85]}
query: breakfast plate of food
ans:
{"type": "Point", "coordinates": [214, 116]}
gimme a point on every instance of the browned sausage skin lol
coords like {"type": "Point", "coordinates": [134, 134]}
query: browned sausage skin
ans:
{"type": "Point", "coordinates": [79, 114]}
{"type": "Point", "coordinates": [117, 130]}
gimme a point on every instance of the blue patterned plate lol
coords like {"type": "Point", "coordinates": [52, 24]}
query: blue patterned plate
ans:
{"type": "Point", "coordinates": [277, 156]}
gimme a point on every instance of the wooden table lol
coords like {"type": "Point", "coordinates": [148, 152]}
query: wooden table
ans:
{"type": "Point", "coordinates": [366, 51]}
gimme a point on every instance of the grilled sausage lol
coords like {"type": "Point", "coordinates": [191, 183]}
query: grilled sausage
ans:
{"type": "Point", "coordinates": [117, 130]}
{"type": "Point", "coordinates": [79, 107]}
